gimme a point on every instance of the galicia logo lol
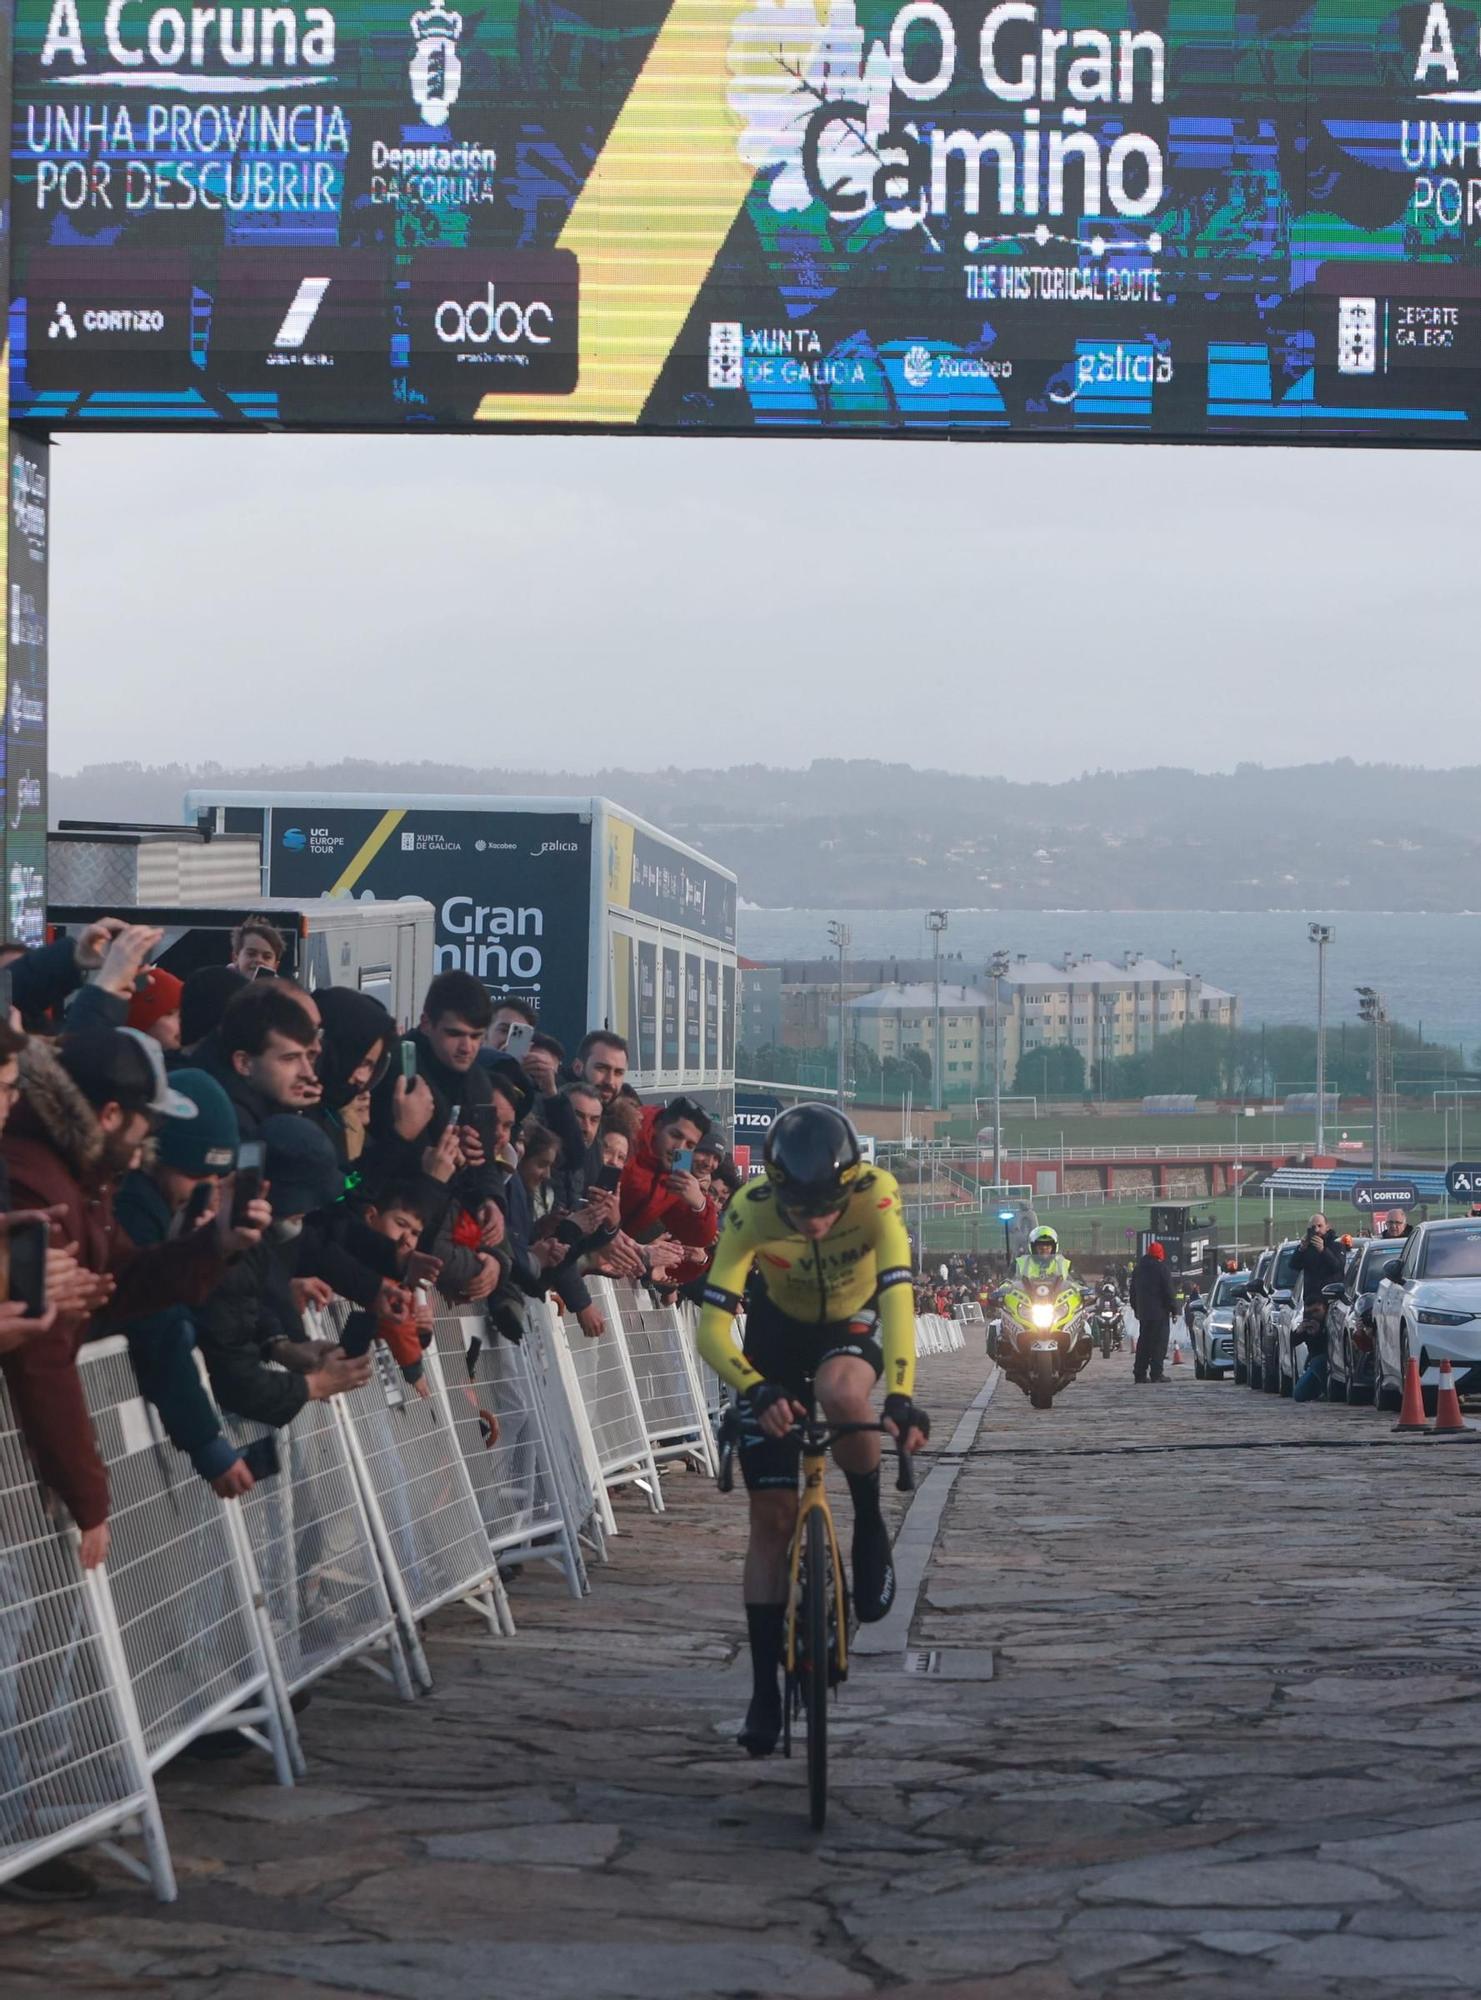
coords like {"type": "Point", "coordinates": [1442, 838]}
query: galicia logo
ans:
{"type": "Point", "coordinates": [295, 840]}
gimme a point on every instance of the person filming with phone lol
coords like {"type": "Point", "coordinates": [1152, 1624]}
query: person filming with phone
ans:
{"type": "Point", "coordinates": [660, 1194]}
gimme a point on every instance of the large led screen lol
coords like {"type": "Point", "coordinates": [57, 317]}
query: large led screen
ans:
{"type": "Point", "coordinates": [1066, 219]}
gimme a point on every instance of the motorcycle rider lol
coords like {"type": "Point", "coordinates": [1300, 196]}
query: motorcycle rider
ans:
{"type": "Point", "coordinates": [1041, 1263]}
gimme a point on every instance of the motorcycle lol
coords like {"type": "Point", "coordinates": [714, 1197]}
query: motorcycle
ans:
{"type": "Point", "coordinates": [1108, 1326]}
{"type": "Point", "coordinates": [1043, 1338]}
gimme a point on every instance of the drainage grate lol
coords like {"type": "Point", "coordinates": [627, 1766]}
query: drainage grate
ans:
{"type": "Point", "coordinates": [923, 1663]}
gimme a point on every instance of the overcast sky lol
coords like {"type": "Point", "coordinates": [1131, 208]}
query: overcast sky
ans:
{"type": "Point", "coordinates": [1033, 610]}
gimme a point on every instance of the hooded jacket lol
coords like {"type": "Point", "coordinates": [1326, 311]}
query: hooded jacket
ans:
{"type": "Point", "coordinates": [648, 1208]}
{"type": "Point", "coordinates": [53, 1151]}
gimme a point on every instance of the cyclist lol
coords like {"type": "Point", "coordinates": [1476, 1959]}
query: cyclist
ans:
{"type": "Point", "coordinates": [819, 1238]}
{"type": "Point", "coordinates": [1042, 1262]}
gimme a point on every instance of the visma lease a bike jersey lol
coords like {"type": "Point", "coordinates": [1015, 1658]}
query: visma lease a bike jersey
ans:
{"type": "Point", "coordinates": [866, 1252]}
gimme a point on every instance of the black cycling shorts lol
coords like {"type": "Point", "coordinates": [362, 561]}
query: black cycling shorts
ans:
{"type": "Point", "coordinates": [790, 1353]}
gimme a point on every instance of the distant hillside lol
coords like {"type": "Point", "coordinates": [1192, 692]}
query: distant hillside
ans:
{"type": "Point", "coordinates": [873, 835]}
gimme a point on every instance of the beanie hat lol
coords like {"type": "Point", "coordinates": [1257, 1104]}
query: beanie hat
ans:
{"type": "Point", "coordinates": [207, 1143]}
{"type": "Point", "coordinates": [1156, 1250]}
{"type": "Point", "coordinates": [302, 1168]}
{"type": "Point", "coordinates": [203, 1001]}
{"type": "Point", "coordinates": [157, 994]}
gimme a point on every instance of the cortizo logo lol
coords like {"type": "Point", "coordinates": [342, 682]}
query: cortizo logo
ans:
{"type": "Point", "coordinates": [493, 322]}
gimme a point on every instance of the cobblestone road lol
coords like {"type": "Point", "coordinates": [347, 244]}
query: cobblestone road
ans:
{"type": "Point", "coordinates": [1226, 1749]}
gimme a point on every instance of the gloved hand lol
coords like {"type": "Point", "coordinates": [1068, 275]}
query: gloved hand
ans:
{"type": "Point", "coordinates": [907, 1420]}
{"type": "Point", "coordinates": [773, 1408]}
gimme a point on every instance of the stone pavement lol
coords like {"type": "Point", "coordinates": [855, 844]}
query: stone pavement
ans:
{"type": "Point", "coordinates": [1224, 1750]}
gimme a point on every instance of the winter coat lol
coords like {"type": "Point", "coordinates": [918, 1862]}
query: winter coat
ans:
{"type": "Point", "coordinates": [1323, 1262]}
{"type": "Point", "coordinates": [162, 1346]}
{"type": "Point", "coordinates": [1151, 1294]}
{"type": "Point", "coordinates": [53, 1148]}
{"type": "Point", "coordinates": [247, 1312]}
{"type": "Point", "coordinates": [401, 1159]}
{"type": "Point", "coordinates": [648, 1208]}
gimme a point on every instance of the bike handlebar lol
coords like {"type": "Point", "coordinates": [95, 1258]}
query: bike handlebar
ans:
{"type": "Point", "coordinates": [818, 1433]}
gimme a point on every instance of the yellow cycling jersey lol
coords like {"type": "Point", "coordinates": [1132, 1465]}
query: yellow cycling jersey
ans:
{"type": "Point", "coordinates": [865, 1252]}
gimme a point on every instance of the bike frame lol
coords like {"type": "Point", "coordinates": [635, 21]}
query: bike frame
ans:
{"type": "Point", "coordinates": [815, 1441]}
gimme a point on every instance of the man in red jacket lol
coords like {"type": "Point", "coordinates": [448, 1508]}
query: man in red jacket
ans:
{"type": "Point", "coordinates": [659, 1194]}
{"type": "Point", "coordinates": [88, 1106]}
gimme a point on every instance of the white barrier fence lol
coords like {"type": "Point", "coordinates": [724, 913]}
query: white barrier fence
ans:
{"type": "Point", "coordinates": [389, 1503]}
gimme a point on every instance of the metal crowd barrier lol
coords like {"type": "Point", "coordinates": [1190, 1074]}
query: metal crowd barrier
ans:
{"type": "Point", "coordinates": [419, 1500]}
{"type": "Point", "coordinates": [315, 1553]}
{"type": "Point", "coordinates": [665, 1366]}
{"type": "Point", "coordinates": [530, 1484]}
{"type": "Point", "coordinates": [73, 1767]}
{"type": "Point", "coordinates": [603, 1374]}
{"type": "Point", "coordinates": [193, 1634]}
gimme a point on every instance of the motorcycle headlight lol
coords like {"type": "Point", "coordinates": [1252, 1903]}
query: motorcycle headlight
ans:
{"type": "Point", "coordinates": [1043, 1315]}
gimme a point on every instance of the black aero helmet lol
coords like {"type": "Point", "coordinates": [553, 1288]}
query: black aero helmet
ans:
{"type": "Point", "coordinates": [812, 1153]}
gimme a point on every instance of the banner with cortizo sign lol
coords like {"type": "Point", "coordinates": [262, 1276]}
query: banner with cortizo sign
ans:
{"type": "Point", "coordinates": [888, 216]}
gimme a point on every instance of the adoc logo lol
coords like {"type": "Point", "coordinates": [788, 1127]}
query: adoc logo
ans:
{"type": "Point", "coordinates": [493, 321]}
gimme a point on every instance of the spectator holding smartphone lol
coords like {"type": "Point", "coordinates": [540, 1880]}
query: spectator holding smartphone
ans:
{"type": "Point", "coordinates": [257, 947]}
{"type": "Point", "coordinates": [175, 1192]}
{"type": "Point", "coordinates": [88, 1108]}
{"type": "Point", "coordinates": [252, 1318]}
{"type": "Point", "coordinates": [660, 1194]}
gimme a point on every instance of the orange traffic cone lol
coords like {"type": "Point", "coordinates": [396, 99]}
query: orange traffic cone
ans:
{"type": "Point", "coordinates": [1177, 1357]}
{"type": "Point", "coordinates": [1411, 1417]}
{"type": "Point", "coordinates": [1449, 1422]}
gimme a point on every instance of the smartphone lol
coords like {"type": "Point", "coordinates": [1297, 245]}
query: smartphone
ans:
{"type": "Point", "coordinates": [251, 1155]}
{"type": "Point", "coordinates": [200, 1200]}
{"type": "Point", "coordinates": [609, 1180]}
{"type": "Point", "coordinates": [521, 1034]}
{"type": "Point", "coordinates": [683, 1161]}
{"type": "Point", "coordinates": [455, 1116]}
{"type": "Point", "coordinates": [409, 1061]}
{"type": "Point", "coordinates": [261, 1458]}
{"type": "Point", "coordinates": [26, 1238]}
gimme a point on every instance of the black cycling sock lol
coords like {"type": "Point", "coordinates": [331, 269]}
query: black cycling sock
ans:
{"type": "Point", "coordinates": [766, 1623]}
{"type": "Point", "coordinates": [864, 1491]}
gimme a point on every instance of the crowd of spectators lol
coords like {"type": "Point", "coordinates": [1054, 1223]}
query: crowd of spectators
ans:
{"type": "Point", "coordinates": [215, 1156]}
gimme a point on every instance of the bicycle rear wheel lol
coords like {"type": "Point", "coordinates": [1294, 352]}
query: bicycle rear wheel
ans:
{"type": "Point", "coordinates": [815, 1593]}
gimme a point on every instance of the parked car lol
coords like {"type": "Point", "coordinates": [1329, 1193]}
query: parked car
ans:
{"type": "Point", "coordinates": [1213, 1327]}
{"type": "Point", "coordinates": [1244, 1314]}
{"type": "Point", "coordinates": [1271, 1315]}
{"type": "Point", "coordinates": [1429, 1306]}
{"type": "Point", "coordinates": [1350, 1322]}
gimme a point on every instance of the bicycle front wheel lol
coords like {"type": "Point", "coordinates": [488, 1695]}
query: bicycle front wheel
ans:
{"type": "Point", "coordinates": [815, 1627]}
